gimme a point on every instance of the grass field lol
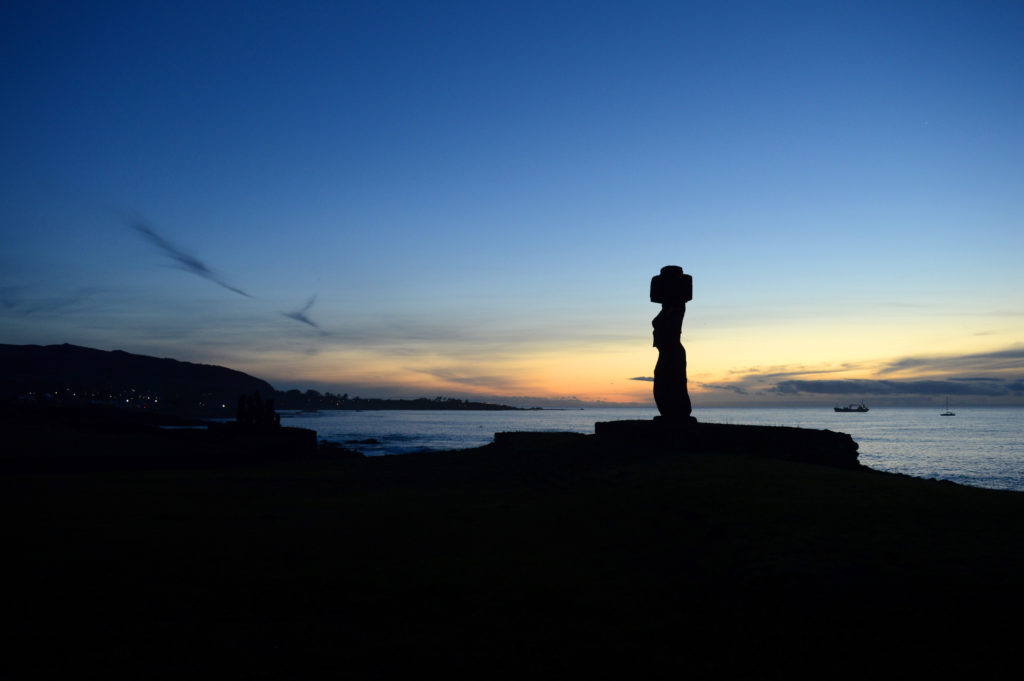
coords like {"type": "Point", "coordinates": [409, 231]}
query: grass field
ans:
{"type": "Point", "coordinates": [551, 560]}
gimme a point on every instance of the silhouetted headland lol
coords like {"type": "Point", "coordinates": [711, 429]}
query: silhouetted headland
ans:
{"type": "Point", "coordinates": [70, 375]}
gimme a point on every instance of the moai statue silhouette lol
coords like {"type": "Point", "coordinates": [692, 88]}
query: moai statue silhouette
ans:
{"type": "Point", "coordinates": [672, 289]}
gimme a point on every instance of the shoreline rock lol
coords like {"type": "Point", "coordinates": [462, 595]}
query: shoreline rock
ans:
{"type": "Point", "coordinates": [777, 442]}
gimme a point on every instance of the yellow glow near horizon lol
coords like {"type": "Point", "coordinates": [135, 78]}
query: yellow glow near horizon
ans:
{"type": "Point", "coordinates": [809, 349]}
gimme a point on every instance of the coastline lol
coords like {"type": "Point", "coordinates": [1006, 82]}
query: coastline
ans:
{"type": "Point", "coordinates": [980, 447]}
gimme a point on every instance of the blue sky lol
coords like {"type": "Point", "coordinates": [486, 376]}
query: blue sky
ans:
{"type": "Point", "coordinates": [474, 196]}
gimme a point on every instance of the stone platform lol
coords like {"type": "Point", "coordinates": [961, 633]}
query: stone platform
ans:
{"type": "Point", "coordinates": [777, 442]}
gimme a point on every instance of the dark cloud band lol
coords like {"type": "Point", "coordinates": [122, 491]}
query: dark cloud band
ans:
{"type": "Point", "coordinates": [988, 387]}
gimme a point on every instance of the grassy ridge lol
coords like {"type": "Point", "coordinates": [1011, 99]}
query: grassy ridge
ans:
{"type": "Point", "coordinates": [561, 558]}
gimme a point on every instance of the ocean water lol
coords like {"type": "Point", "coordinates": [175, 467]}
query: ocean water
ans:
{"type": "Point", "coordinates": [980, 446]}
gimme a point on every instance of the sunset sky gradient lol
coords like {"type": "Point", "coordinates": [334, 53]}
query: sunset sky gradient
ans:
{"type": "Point", "coordinates": [469, 199]}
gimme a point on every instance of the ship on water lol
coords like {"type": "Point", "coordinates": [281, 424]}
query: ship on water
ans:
{"type": "Point", "coordinates": [948, 412]}
{"type": "Point", "coordinates": [852, 407]}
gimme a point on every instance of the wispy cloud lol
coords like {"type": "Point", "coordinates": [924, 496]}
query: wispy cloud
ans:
{"type": "Point", "coordinates": [185, 261]}
{"type": "Point", "coordinates": [776, 372]}
{"type": "Point", "coordinates": [642, 378]}
{"type": "Point", "coordinates": [301, 316]}
{"type": "Point", "coordinates": [987, 374]}
{"type": "Point", "coordinates": [998, 360]}
{"type": "Point", "coordinates": [732, 387]}
{"type": "Point", "coordinates": [20, 301]}
{"type": "Point", "coordinates": [469, 377]}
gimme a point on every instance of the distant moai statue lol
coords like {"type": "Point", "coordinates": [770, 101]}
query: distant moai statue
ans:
{"type": "Point", "coordinates": [254, 412]}
{"type": "Point", "coordinates": [672, 289]}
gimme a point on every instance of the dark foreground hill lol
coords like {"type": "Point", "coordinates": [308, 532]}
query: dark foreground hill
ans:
{"type": "Point", "coordinates": [552, 558]}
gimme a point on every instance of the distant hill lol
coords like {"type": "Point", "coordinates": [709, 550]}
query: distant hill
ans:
{"type": "Point", "coordinates": [73, 373]}
{"type": "Point", "coordinates": [311, 400]}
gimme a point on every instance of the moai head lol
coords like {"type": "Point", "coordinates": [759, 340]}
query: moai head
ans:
{"type": "Point", "coordinates": [671, 287]}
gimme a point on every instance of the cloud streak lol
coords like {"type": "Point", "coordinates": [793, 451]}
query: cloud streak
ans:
{"type": "Point", "coordinates": [995, 374]}
{"type": "Point", "coordinates": [301, 316]}
{"type": "Point", "coordinates": [187, 262]}
{"type": "Point", "coordinates": [14, 301]}
{"type": "Point", "coordinates": [733, 387]}
{"type": "Point", "coordinates": [998, 360]}
{"type": "Point", "coordinates": [468, 377]}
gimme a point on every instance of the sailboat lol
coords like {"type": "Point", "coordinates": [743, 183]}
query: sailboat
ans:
{"type": "Point", "coordinates": [947, 412]}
